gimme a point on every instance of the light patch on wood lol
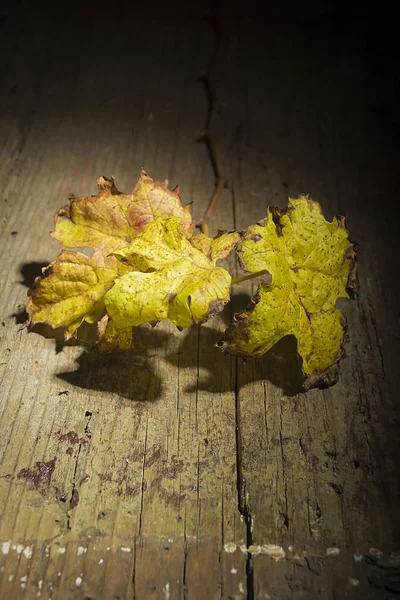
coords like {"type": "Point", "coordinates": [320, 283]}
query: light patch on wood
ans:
{"type": "Point", "coordinates": [28, 551]}
{"type": "Point", "coordinates": [332, 551]}
{"type": "Point", "coordinates": [5, 547]}
{"type": "Point", "coordinates": [254, 549]}
{"type": "Point", "coordinates": [275, 552]}
{"type": "Point", "coordinates": [166, 591]}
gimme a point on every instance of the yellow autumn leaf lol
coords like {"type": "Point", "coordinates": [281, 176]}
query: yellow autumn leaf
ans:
{"type": "Point", "coordinates": [312, 264]}
{"type": "Point", "coordinates": [170, 280]}
{"type": "Point", "coordinates": [71, 290]}
{"type": "Point", "coordinates": [111, 338]}
{"type": "Point", "coordinates": [112, 219]}
{"type": "Point", "coordinates": [218, 247]}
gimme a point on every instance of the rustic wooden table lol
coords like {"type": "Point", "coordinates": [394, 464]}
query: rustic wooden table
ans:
{"type": "Point", "coordinates": [173, 471]}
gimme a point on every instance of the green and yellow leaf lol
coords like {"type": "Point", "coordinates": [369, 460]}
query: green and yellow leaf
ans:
{"type": "Point", "coordinates": [170, 280]}
{"type": "Point", "coordinates": [111, 338]}
{"type": "Point", "coordinates": [112, 219]}
{"type": "Point", "coordinates": [72, 289]}
{"type": "Point", "coordinates": [216, 248]}
{"type": "Point", "coordinates": [312, 265]}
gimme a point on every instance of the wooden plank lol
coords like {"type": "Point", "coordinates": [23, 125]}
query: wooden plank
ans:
{"type": "Point", "coordinates": [133, 454]}
{"type": "Point", "coordinates": [310, 481]}
{"type": "Point", "coordinates": [173, 471]}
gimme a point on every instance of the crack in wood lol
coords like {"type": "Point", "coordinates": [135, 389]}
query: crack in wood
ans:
{"type": "Point", "coordinates": [241, 492]}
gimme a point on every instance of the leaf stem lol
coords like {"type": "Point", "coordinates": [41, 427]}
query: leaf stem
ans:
{"type": "Point", "coordinates": [208, 136]}
{"type": "Point", "coordinates": [204, 227]}
{"type": "Point", "coordinates": [221, 181]}
{"type": "Point", "coordinates": [249, 276]}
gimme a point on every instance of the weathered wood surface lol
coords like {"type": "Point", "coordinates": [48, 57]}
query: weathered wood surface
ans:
{"type": "Point", "coordinates": [173, 471]}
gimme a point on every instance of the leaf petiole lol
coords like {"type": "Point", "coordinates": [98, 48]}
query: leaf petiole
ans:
{"type": "Point", "coordinates": [249, 276]}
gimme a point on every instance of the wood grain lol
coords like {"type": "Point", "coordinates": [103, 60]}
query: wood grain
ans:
{"type": "Point", "coordinates": [173, 471]}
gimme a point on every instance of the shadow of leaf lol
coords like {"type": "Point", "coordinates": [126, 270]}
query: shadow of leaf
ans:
{"type": "Point", "coordinates": [30, 271]}
{"type": "Point", "coordinates": [127, 373]}
{"type": "Point", "coordinates": [131, 373]}
{"type": "Point", "coordinates": [21, 316]}
{"type": "Point", "coordinates": [281, 365]}
{"type": "Point", "coordinates": [86, 335]}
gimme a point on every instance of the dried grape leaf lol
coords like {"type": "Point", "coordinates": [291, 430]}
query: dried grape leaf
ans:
{"type": "Point", "coordinates": [112, 219]}
{"type": "Point", "coordinates": [312, 263]}
{"type": "Point", "coordinates": [72, 289]}
{"type": "Point", "coordinates": [171, 279]}
{"type": "Point", "coordinates": [147, 266]}
{"type": "Point", "coordinates": [216, 248]}
{"type": "Point", "coordinates": [111, 338]}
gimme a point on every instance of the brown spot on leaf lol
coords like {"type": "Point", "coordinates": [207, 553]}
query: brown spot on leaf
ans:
{"type": "Point", "coordinates": [328, 378]}
{"type": "Point", "coordinates": [107, 186]}
{"type": "Point", "coordinates": [256, 237]}
{"type": "Point", "coordinates": [215, 307]}
{"type": "Point", "coordinates": [64, 211]}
